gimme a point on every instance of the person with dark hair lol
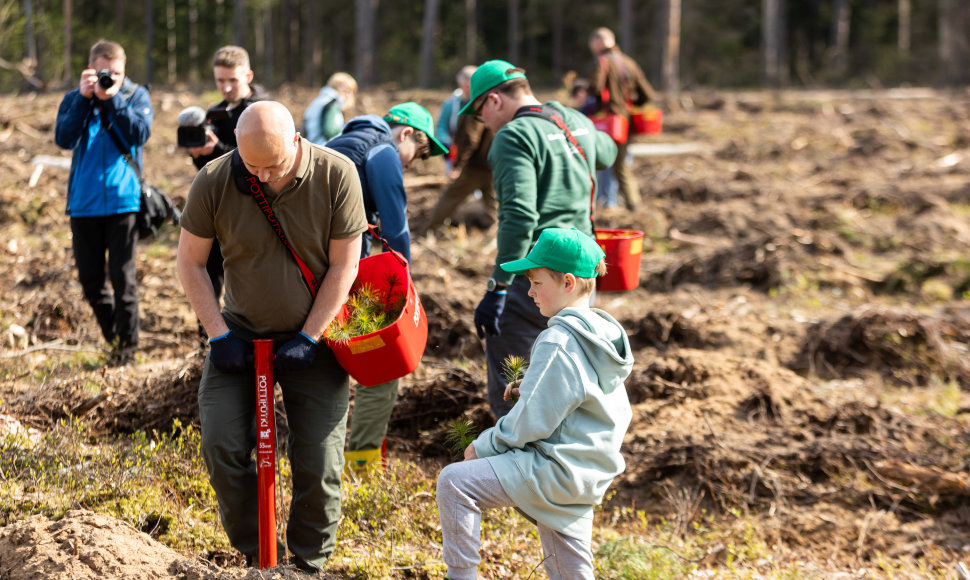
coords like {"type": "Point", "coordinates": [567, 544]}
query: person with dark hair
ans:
{"type": "Point", "coordinates": [106, 121]}
{"type": "Point", "coordinates": [234, 79]}
{"type": "Point", "coordinates": [543, 159]}
{"type": "Point", "coordinates": [288, 292]}
{"type": "Point", "coordinates": [620, 78]}
{"type": "Point", "coordinates": [382, 148]}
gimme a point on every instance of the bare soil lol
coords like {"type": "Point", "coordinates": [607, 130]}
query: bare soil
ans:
{"type": "Point", "coordinates": [800, 311]}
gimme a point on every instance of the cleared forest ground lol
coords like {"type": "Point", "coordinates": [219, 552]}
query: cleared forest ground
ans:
{"type": "Point", "coordinates": [801, 331]}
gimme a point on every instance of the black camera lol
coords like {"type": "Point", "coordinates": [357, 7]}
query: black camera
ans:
{"type": "Point", "coordinates": [104, 79]}
{"type": "Point", "coordinates": [193, 123]}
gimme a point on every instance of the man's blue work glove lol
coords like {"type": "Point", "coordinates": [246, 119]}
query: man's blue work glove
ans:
{"type": "Point", "coordinates": [296, 354]}
{"type": "Point", "coordinates": [488, 312]}
{"type": "Point", "coordinates": [230, 354]}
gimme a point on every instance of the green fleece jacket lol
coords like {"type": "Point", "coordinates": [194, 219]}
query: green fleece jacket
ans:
{"type": "Point", "coordinates": [543, 182]}
{"type": "Point", "coordinates": [558, 449]}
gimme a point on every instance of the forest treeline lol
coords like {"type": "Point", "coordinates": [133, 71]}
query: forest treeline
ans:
{"type": "Point", "coordinates": [681, 44]}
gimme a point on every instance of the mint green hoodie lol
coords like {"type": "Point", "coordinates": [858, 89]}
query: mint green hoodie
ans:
{"type": "Point", "coordinates": [558, 450]}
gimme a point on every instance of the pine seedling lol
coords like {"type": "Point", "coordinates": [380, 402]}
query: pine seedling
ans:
{"type": "Point", "coordinates": [366, 313]}
{"type": "Point", "coordinates": [513, 369]}
{"type": "Point", "coordinates": [461, 432]}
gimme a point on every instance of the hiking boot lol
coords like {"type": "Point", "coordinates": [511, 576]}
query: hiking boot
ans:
{"type": "Point", "coordinates": [305, 567]}
{"type": "Point", "coordinates": [122, 357]}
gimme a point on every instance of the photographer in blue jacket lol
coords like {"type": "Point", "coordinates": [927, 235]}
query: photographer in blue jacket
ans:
{"type": "Point", "coordinates": [104, 190]}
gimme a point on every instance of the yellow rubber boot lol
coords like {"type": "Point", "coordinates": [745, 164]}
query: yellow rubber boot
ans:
{"type": "Point", "coordinates": [363, 461]}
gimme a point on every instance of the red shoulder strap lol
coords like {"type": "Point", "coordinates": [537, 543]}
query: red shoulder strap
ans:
{"type": "Point", "coordinates": [248, 183]}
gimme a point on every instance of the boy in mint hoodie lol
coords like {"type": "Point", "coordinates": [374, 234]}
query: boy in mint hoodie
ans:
{"type": "Point", "coordinates": [557, 451]}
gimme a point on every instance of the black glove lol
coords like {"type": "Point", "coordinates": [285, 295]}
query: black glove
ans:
{"type": "Point", "coordinates": [231, 354]}
{"type": "Point", "coordinates": [296, 354]}
{"type": "Point", "coordinates": [488, 312]}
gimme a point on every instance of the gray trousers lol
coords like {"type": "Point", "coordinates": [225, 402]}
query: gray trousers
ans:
{"type": "Point", "coordinates": [464, 490]}
{"type": "Point", "coordinates": [316, 402]}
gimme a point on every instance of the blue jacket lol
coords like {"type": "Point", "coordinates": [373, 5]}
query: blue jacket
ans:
{"type": "Point", "coordinates": [558, 449]}
{"type": "Point", "coordinates": [366, 140]}
{"type": "Point", "coordinates": [101, 181]}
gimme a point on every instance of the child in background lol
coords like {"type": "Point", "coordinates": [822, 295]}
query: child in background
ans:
{"type": "Point", "coordinates": [557, 451]}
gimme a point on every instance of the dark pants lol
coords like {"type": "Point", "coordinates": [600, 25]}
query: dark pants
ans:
{"type": "Point", "coordinates": [104, 250]}
{"type": "Point", "coordinates": [520, 324]}
{"type": "Point", "coordinates": [316, 401]}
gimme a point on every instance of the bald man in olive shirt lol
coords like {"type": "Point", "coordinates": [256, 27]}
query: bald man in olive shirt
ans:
{"type": "Point", "coordinates": [316, 196]}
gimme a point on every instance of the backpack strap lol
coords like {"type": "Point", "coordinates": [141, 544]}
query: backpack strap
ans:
{"type": "Point", "coordinates": [553, 116]}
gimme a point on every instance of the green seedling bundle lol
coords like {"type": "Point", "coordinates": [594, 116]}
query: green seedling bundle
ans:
{"type": "Point", "coordinates": [368, 310]}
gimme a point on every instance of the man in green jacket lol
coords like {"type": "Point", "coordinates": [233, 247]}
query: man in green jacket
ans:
{"type": "Point", "coordinates": [543, 158]}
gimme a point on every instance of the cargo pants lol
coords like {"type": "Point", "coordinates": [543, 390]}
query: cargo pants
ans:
{"type": "Point", "coordinates": [316, 402]}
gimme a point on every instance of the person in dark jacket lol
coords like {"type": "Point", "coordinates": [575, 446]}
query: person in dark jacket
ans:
{"type": "Point", "coordinates": [382, 148]}
{"type": "Point", "coordinates": [625, 85]}
{"type": "Point", "coordinates": [104, 190]}
{"type": "Point", "coordinates": [234, 78]}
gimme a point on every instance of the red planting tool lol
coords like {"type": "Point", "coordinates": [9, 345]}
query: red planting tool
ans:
{"type": "Point", "coordinates": [265, 451]}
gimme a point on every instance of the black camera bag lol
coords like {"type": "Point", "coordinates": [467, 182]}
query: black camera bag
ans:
{"type": "Point", "coordinates": [156, 207]}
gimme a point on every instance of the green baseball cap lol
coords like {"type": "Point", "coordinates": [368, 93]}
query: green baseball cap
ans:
{"type": "Point", "coordinates": [414, 115]}
{"type": "Point", "coordinates": [488, 76]}
{"type": "Point", "coordinates": [569, 251]}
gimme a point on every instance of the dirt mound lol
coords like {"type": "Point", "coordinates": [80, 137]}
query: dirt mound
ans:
{"type": "Point", "coordinates": [87, 546]}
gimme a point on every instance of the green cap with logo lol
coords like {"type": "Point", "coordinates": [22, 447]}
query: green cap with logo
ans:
{"type": "Point", "coordinates": [416, 116]}
{"type": "Point", "coordinates": [569, 251]}
{"type": "Point", "coordinates": [488, 76]}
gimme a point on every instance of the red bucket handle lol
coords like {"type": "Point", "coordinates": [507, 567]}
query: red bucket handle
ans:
{"type": "Point", "coordinates": [373, 230]}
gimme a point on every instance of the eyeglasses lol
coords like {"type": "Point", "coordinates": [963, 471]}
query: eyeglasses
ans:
{"type": "Point", "coordinates": [478, 109]}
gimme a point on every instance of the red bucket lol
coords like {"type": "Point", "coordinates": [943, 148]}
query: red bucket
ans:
{"type": "Point", "coordinates": [616, 126]}
{"type": "Point", "coordinates": [623, 249]}
{"type": "Point", "coordinates": [648, 120]}
{"type": "Point", "coordinates": [395, 350]}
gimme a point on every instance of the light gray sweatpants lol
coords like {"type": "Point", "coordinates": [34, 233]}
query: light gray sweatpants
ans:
{"type": "Point", "coordinates": [464, 490]}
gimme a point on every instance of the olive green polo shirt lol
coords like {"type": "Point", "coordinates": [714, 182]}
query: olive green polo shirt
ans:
{"type": "Point", "coordinates": [264, 289]}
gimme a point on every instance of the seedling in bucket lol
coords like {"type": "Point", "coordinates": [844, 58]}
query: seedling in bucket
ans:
{"type": "Point", "coordinates": [389, 353]}
{"type": "Point", "coordinates": [368, 310]}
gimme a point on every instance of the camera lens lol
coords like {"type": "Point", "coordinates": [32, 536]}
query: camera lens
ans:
{"type": "Point", "coordinates": [104, 79]}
